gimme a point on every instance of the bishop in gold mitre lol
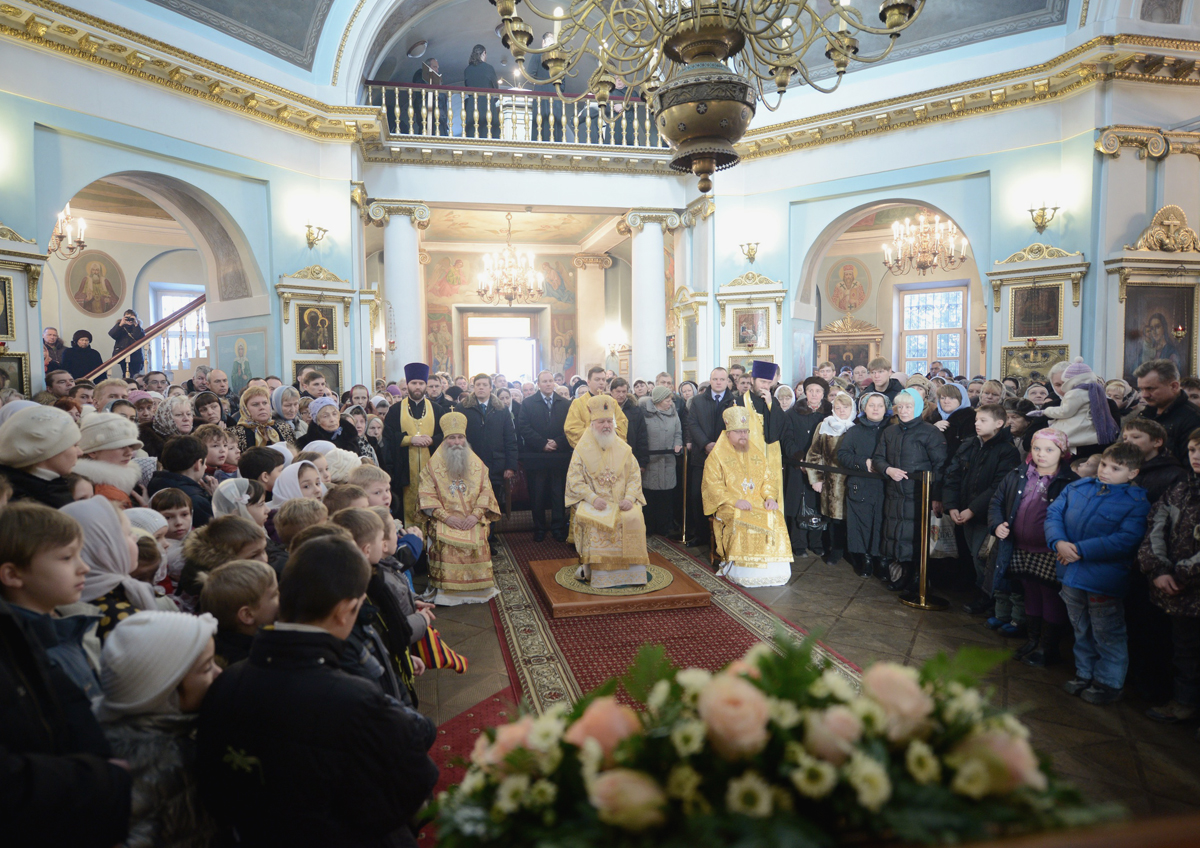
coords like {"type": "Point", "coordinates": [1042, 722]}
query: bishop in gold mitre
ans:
{"type": "Point", "coordinates": [605, 483]}
{"type": "Point", "coordinates": [457, 496]}
{"type": "Point", "coordinates": [743, 491]}
{"type": "Point", "coordinates": [578, 415]}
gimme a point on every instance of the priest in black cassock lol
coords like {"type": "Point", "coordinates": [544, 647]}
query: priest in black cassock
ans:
{"type": "Point", "coordinates": [412, 428]}
{"type": "Point", "coordinates": [774, 418]}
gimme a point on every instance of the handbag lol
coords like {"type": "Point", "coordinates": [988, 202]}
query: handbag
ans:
{"type": "Point", "coordinates": [809, 518]}
{"type": "Point", "coordinates": [941, 537]}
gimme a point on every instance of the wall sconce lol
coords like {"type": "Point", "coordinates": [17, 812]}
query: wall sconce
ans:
{"type": "Point", "coordinates": [312, 235]}
{"type": "Point", "coordinates": [749, 250]}
{"type": "Point", "coordinates": [1179, 332]}
{"type": "Point", "coordinates": [324, 350]}
{"type": "Point", "coordinates": [1042, 216]}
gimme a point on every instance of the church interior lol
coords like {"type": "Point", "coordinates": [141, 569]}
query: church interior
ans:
{"type": "Point", "coordinates": [996, 190]}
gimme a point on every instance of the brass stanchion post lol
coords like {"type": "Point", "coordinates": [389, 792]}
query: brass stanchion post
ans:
{"type": "Point", "coordinates": [683, 531]}
{"type": "Point", "coordinates": [921, 599]}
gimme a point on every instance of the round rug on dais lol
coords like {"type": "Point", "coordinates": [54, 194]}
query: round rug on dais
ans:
{"type": "Point", "coordinates": [657, 578]}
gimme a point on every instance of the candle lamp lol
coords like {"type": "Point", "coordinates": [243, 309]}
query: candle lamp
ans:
{"type": "Point", "coordinates": [1179, 332]}
{"type": "Point", "coordinates": [1031, 342]}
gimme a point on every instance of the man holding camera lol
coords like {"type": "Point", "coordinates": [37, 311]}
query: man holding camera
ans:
{"type": "Point", "coordinates": [126, 333]}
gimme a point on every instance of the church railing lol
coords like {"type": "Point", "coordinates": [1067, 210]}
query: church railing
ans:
{"type": "Point", "coordinates": [512, 115]}
{"type": "Point", "coordinates": [157, 330]}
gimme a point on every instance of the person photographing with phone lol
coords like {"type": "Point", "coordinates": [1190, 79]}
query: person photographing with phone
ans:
{"type": "Point", "coordinates": [125, 333]}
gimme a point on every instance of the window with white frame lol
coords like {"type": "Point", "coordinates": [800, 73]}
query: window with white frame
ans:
{"type": "Point", "coordinates": [933, 329]}
{"type": "Point", "coordinates": [183, 340]}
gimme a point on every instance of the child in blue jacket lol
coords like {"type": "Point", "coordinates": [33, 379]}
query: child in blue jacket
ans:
{"type": "Point", "coordinates": [1095, 528]}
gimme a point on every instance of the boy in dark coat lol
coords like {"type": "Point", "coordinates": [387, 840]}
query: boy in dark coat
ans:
{"type": "Point", "coordinates": [971, 479]}
{"type": "Point", "coordinates": [1160, 469]}
{"type": "Point", "coordinates": [291, 750]}
{"type": "Point", "coordinates": [1095, 527]}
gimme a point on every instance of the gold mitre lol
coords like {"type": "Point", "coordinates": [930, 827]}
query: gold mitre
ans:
{"type": "Point", "coordinates": [737, 418]}
{"type": "Point", "coordinates": [602, 406]}
{"type": "Point", "coordinates": [454, 424]}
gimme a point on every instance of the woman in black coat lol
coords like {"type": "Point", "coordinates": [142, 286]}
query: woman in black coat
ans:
{"type": "Point", "coordinates": [81, 359]}
{"type": "Point", "coordinates": [802, 424]}
{"type": "Point", "coordinates": [864, 495]}
{"type": "Point", "coordinates": [909, 447]}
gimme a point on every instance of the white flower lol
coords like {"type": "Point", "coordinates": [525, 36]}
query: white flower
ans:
{"type": "Point", "coordinates": [814, 778]}
{"type": "Point", "coordinates": [591, 755]}
{"type": "Point", "coordinates": [660, 693]}
{"type": "Point", "coordinates": [972, 779]}
{"type": "Point", "coordinates": [966, 705]}
{"type": "Point", "coordinates": [545, 733]}
{"type": "Point", "coordinates": [512, 790]}
{"type": "Point", "coordinates": [1010, 725]}
{"type": "Point", "coordinates": [783, 712]}
{"type": "Point", "coordinates": [688, 737]}
{"type": "Point", "coordinates": [683, 782]}
{"type": "Point", "coordinates": [922, 763]}
{"type": "Point", "coordinates": [760, 651]}
{"type": "Point", "coordinates": [542, 793]}
{"type": "Point", "coordinates": [473, 782]}
{"type": "Point", "coordinates": [873, 717]}
{"type": "Point", "coordinates": [548, 761]}
{"type": "Point", "coordinates": [693, 680]}
{"type": "Point", "coordinates": [869, 780]}
{"type": "Point", "coordinates": [749, 795]}
{"type": "Point", "coordinates": [832, 684]}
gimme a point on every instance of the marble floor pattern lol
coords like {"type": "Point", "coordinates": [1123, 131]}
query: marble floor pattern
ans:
{"type": "Point", "coordinates": [1110, 753]}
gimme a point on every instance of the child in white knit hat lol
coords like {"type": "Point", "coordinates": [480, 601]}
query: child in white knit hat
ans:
{"type": "Point", "coordinates": [154, 672]}
{"type": "Point", "coordinates": [108, 443]}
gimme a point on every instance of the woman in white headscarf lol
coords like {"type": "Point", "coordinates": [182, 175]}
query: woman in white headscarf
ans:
{"type": "Point", "coordinates": [295, 482]}
{"type": "Point", "coordinates": [110, 550]}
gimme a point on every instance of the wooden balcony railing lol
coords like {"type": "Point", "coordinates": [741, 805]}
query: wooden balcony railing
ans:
{"type": "Point", "coordinates": [153, 332]}
{"type": "Point", "coordinates": [513, 114]}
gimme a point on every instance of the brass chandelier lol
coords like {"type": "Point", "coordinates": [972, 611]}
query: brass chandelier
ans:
{"type": "Point", "coordinates": [704, 64]}
{"type": "Point", "coordinates": [509, 275]}
{"type": "Point", "coordinates": [924, 246]}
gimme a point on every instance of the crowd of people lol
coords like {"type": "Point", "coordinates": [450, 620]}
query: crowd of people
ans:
{"type": "Point", "coordinates": [211, 629]}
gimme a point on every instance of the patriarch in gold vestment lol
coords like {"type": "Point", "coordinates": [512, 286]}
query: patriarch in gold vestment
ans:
{"type": "Point", "coordinates": [456, 494]}
{"type": "Point", "coordinates": [605, 483]}
{"type": "Point", "coordinates": [743, 491]}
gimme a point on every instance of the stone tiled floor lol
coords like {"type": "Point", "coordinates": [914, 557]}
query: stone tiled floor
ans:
{"type": "Point", "coordinates": [1111, 753]}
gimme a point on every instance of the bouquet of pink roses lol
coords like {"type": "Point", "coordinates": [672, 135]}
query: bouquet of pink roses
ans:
{"type": "Point", "coordinates": [775, 750]}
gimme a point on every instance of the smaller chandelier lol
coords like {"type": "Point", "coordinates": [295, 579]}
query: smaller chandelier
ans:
{"type": "Point", "coordinates": [924, 246]}
{"type": "Point", "coordinates": [62, 244]}
{"type": "Point", "coordinates": [509, 275]}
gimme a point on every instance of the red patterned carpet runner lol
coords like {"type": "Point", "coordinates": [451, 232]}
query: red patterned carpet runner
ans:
{"type": "Point", "coordinates": [554, 660]}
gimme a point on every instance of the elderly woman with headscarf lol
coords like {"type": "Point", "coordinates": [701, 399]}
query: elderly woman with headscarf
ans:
{"type": "Point", "coordinates": [1126, 398]}
{"type": "Point", "coordinates": [785, 396]}
{"type": "Point", "coordinates": [325, 423]}
{"type": "Point", "coordinates": [174, 417]}
{"type": "Point", "coordinates": [80, 359]}
{"type": "Point", "coordinates": [110, 551]}
{"type": "Point", "coordinates": [905, 452]}
{"type": "Point", "coordinates": [864, 495]}
{"type": "Point", "coordinates": [285, 405]}
{"type": "Point", "coordinates": [831, 486]}
{"type": "Point", "coordinates": [255, 427]}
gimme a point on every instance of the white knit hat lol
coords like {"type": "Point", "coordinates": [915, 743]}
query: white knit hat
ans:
{"type": "Point", "coordinates": [340, 463]}
{"type": "Point", "coordinates": [144, 659]}
{"type": "Point", "coordinates": [35, 434]}
{"type": "Point", "coordinates": [106, 431]}
{"type": "Point", "coordinates": [146, 519]}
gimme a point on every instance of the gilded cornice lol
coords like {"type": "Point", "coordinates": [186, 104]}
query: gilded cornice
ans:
{"type": "Point", "coordinates": [700, 209]}
{"type": "Point", "coordinates": [1037, 251]}
{"type": "Point", "coordinates": [337, 61]}
{"type": "Point", "coordinates": [599, 260]}
{"type": "Point", "coordinates": [635, 219]}
{"type": "Point", "coordinates": [1168, 232]}
{"type": "Point", "coordinates": [849, 326]}
{"type": "Point", "coordinates": [315, 272]}
{"type": "Point", "coordinates": [9, 234]}
{"type": "Point", "coordinates": [381, 210]}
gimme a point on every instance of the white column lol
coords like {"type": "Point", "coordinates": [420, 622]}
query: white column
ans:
{"type": "Point", "coordinates": [403, 291]}
{"type": "Point", "coordinates": [589, 310]}
{"type": "Point", "coordinates": [649, 354]}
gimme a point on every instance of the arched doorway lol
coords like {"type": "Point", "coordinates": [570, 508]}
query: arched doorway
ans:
{"type": "Point", "coordinates": [911, 319]}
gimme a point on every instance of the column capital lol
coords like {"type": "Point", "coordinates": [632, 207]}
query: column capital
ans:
{"type": "Point", "coordinates": [381, 210]}
{"type": "Point", "coordinates": [700, 209]}
{"type": "Point", "coordinates": [635, 219]}
{"type": "Point", "coordinates": [600, 260]}
{"type": "Point", "coordinates": [1149, 141]}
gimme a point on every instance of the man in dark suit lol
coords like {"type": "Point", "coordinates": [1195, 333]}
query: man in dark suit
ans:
{"type": "Point", "coordinates": [636, 436]}
{"type": "Point", "coordinates": [705, 423]}
{"type": "Point", "coordinates": [546, 455]}
{"type": "Point", "coordinates": [490, 433]}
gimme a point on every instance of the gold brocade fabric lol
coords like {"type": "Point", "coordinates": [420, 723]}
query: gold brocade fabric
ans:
{"type": "Point", "coordinates": [579, 418]}
{"type": "Point", "coordinates": [417, 457]}
{"type": "Point", "coordinates": [754, 537]}
{"type": "Point", "coordinates": [614, 476]}
{"type": "Point", "coordinates": [459, 560]}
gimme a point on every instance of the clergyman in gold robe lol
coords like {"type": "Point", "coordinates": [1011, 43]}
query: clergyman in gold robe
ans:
{"type": "Point", "coordinates": [578, 415]}
{"type": "Point", "coordinates": [743, 491]}
{"type": "Point", "coordinates": [412, 426]}
{"type": "Point", "coordinates": [457, 496]}
{"type": "Point", "coordinates": [605, 483]}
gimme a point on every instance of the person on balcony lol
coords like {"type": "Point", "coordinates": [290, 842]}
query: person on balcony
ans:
{"type": "Point", "coordinates": [479, 74]}
{"type": "Point", "coordinates": [550, 107]}
{"type": "Point", "coordinates": [81, 358]}
{"type": "Point", "coordinates": [126, 333]}
{"type": "Point", "coordinates": [428, 74]}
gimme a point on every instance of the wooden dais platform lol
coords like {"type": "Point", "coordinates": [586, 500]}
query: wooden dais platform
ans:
{"type": "Point", "coordinates": [682, 593]}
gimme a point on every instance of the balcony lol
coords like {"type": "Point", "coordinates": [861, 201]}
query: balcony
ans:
{"type": "Point", "coordinates": [449, 125]}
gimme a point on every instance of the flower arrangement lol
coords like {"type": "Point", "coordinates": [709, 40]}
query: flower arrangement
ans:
{"type": "Point", "coordinates": [777, 749]}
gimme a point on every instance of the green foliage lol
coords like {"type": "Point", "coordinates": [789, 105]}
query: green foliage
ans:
{"type": "Point", "coordinates": [968, 665]}
{"type": "Point", "coordinates": [649, 666]}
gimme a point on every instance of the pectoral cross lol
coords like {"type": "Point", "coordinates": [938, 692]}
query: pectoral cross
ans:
{"type": "Point", "coordinates": [747, 486]}
{"type": "Point", "coordinates": [458, 487]}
